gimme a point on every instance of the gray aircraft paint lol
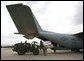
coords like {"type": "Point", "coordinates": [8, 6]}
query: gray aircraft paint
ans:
{"type": "Point", "coordinates": [27, 25]}
{"type": "Point", "coordinates": [68, 41]}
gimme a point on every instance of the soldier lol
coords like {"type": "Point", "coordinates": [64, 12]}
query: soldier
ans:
{"type": "Point", "coordinates": [45, 48]}
{"type": "Point", "coordinates": [41, 45]}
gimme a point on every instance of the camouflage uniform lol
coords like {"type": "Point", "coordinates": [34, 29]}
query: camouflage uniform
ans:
{"type": "Point", "coordinates": [44, 48]}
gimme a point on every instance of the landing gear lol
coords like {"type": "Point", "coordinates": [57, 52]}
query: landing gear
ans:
{"type": "Point", "coordinates": [77, 50]}
{"type": "Point", "coordinates": [72, 49]}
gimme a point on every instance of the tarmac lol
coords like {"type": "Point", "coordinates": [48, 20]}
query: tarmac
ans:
{"type": "Point", "coordinates": [8, 54]}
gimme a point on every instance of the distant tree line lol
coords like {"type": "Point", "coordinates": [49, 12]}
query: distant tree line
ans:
{"type": "Point", "coordinates": [6, 46]}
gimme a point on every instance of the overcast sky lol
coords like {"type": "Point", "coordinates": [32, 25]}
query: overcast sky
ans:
{"type": "Point", "coordinates": [56, 16]}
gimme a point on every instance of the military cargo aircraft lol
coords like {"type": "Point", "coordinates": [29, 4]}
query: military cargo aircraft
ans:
{"type": "Point", "coordinates": [28, 26]}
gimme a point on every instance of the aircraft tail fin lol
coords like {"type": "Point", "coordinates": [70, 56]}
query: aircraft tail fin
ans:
{"type": "Point", "coordinates": [24, 19]}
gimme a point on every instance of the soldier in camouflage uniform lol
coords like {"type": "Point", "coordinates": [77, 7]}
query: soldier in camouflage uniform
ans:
{"type": "Point", "coordinates": [44, 48]}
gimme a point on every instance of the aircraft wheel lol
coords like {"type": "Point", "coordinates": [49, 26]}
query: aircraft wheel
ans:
{"type": "Point", "coordinates": [36, 51]}
{"type": "Point", "coordinates": [77, 50]}
{"type": "Point", "coordinates": [72, 49]}
{"type": "Point", "coordinates": [21, 53]}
